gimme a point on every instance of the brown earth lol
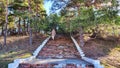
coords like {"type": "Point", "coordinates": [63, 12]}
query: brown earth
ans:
{"type": "Point", "coordinates": [21, 43]}
{"type": "Point", "coordinates": [107, 50]}
{"type": "Point", "coordinates": [18, 47]}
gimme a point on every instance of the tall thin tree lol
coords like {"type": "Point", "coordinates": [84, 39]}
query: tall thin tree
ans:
{"type": "Point", "coordinates": [30, 29]}
{"type": "Point", "coordinates": [6, 22]}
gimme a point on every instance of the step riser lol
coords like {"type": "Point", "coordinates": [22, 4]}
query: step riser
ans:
{"type": "Point", "coordinates": [55, 66]}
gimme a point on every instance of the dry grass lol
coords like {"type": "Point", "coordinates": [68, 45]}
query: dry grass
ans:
{"type": "Point", "coordinates": [107, 50]}
{"type": "Point", "coordinates": [112, 60]}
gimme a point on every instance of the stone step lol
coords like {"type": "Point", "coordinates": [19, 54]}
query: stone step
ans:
{"type": "Point", "coordinates": [60, 48]}
{"type": "Point", "coordinates": [56, 63]}
{"type": "Point", "coordinates": [27, 65]}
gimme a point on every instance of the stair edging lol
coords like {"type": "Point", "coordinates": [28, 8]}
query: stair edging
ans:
{"type": "Point", "coordinates": [96, 63]}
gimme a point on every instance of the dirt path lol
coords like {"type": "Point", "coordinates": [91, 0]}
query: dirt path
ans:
{"type": "Point", "coordinates": [61, 47]}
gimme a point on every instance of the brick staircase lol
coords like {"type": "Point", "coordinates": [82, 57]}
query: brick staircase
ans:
{"type": "Point", "coordinates": [57, 54]}
{"type": "Point", "coordinates": [59, 48]}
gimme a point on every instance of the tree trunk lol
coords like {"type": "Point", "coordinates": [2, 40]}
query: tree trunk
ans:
{"type": "Point", "coordinates": [24, 27]}
{"type": "Point", "coordinates": [19, 26]}
{"type": "Point", "coordinates": [30, 29]}
{"type": "Point", "coordinates": [6, 22]}
{"type": "Point", "coordinates": [81, 28]}
{"type": "Point", "coordinates": [81, 37]}
{"type": "Point", "coordinates": [27, 26]}
{"type": "Point", "coordinates": [95, 32]}
{"type": "Point", "coordinates": [35, 25]}
{"type": "Point", "coordinates": [113, 30]}
{"type": "Point", "coordinates": [30, 36]}
{"type": "Point", "coordinates": [2, 30]}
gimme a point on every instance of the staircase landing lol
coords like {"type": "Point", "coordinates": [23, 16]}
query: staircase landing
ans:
{"type": "Point", "coordinates": [56, 63]}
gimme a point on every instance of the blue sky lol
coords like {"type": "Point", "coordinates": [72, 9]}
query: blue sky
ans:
{"type": "Point", "coordinates": [47, 5]}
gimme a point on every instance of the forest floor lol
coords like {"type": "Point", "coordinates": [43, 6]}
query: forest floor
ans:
{"type": "Point", "coordinates": [108, 52]}
{"type": "Point", "coordinates": [105, 49]}
{"type": "Point", "coordinates": [18, 47]}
